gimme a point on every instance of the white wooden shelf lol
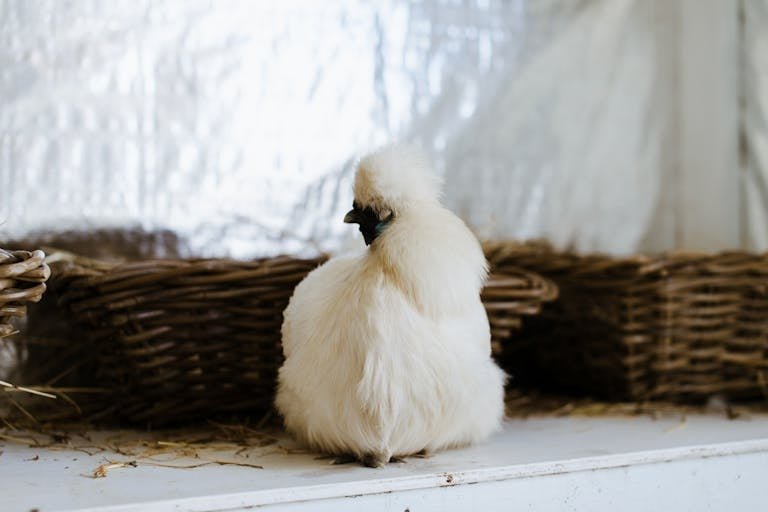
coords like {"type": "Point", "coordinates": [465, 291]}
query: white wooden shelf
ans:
{"type": "Point", "coordinates": [699, 463]}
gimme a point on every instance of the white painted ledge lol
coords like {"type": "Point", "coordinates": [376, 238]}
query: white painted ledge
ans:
{"type": "Point", "coordinates": [703, 463]}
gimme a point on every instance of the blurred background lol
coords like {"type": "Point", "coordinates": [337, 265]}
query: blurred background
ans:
{"type": "Point", "coordinates": [232, 127]}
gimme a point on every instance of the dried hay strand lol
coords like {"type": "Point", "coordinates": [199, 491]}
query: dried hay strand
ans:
{"type": "Point", "coordinates": [250, 444]}
{"type": "Point", "coordinates": [243, 445]}
{"type": "Point", "coordinates": [527, 403]}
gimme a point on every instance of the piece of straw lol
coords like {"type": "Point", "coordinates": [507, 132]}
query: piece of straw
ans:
{"type": "Point", "coordinates": [26, 390]}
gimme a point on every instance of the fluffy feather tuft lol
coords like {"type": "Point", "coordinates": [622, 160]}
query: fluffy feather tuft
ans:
{"type": "Point", "coordinates": [388, 352]}
{"type": "Point", "coordinates": [396, 176]}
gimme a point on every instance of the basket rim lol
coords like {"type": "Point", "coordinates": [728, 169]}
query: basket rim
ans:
{"type": "Point", "coordinates": [550, 259]}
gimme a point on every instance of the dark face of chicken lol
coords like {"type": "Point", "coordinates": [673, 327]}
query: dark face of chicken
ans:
{"type": "Point", "coordinates": [371, 226]}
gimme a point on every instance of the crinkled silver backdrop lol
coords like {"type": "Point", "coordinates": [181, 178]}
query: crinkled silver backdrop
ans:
{"type": "Point", "coordinates": [236, 123]}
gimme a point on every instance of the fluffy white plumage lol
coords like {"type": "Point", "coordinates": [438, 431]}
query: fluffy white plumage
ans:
{"type": "Point", "coordinates": [387, 353]}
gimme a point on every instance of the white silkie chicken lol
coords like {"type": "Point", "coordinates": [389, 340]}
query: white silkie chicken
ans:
{"type": "Point", "coordinates": [387, 353]}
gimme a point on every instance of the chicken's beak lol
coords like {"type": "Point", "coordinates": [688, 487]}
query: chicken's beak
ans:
{"type": "Point", "coordinates": [370, 224]}
{"type": "Point", "coordinates": [353, 216]}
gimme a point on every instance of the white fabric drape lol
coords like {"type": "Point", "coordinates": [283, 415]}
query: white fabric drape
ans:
{"type": "Point", "coordinates": [755, 122]}
{"type": "Point", "coordinates": [235, 123]}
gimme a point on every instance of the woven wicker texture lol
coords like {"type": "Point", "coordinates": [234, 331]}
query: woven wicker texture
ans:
{"type": "Point", "coordinates": [22, 280]}
{"type": "Point", "coordinates": [510, 296]}
{"type": "Point", "coordinates": [678, 326]}
{"type": "Point", "coordinates": [180, 340]}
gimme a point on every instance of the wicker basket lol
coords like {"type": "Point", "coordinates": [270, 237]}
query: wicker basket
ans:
{"type": "Point", "coordinates": [179, 340]}
{"type": "Point", "coordinates": [677, 326]}
{"type": "Point", "coordinates": [22, 280]}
